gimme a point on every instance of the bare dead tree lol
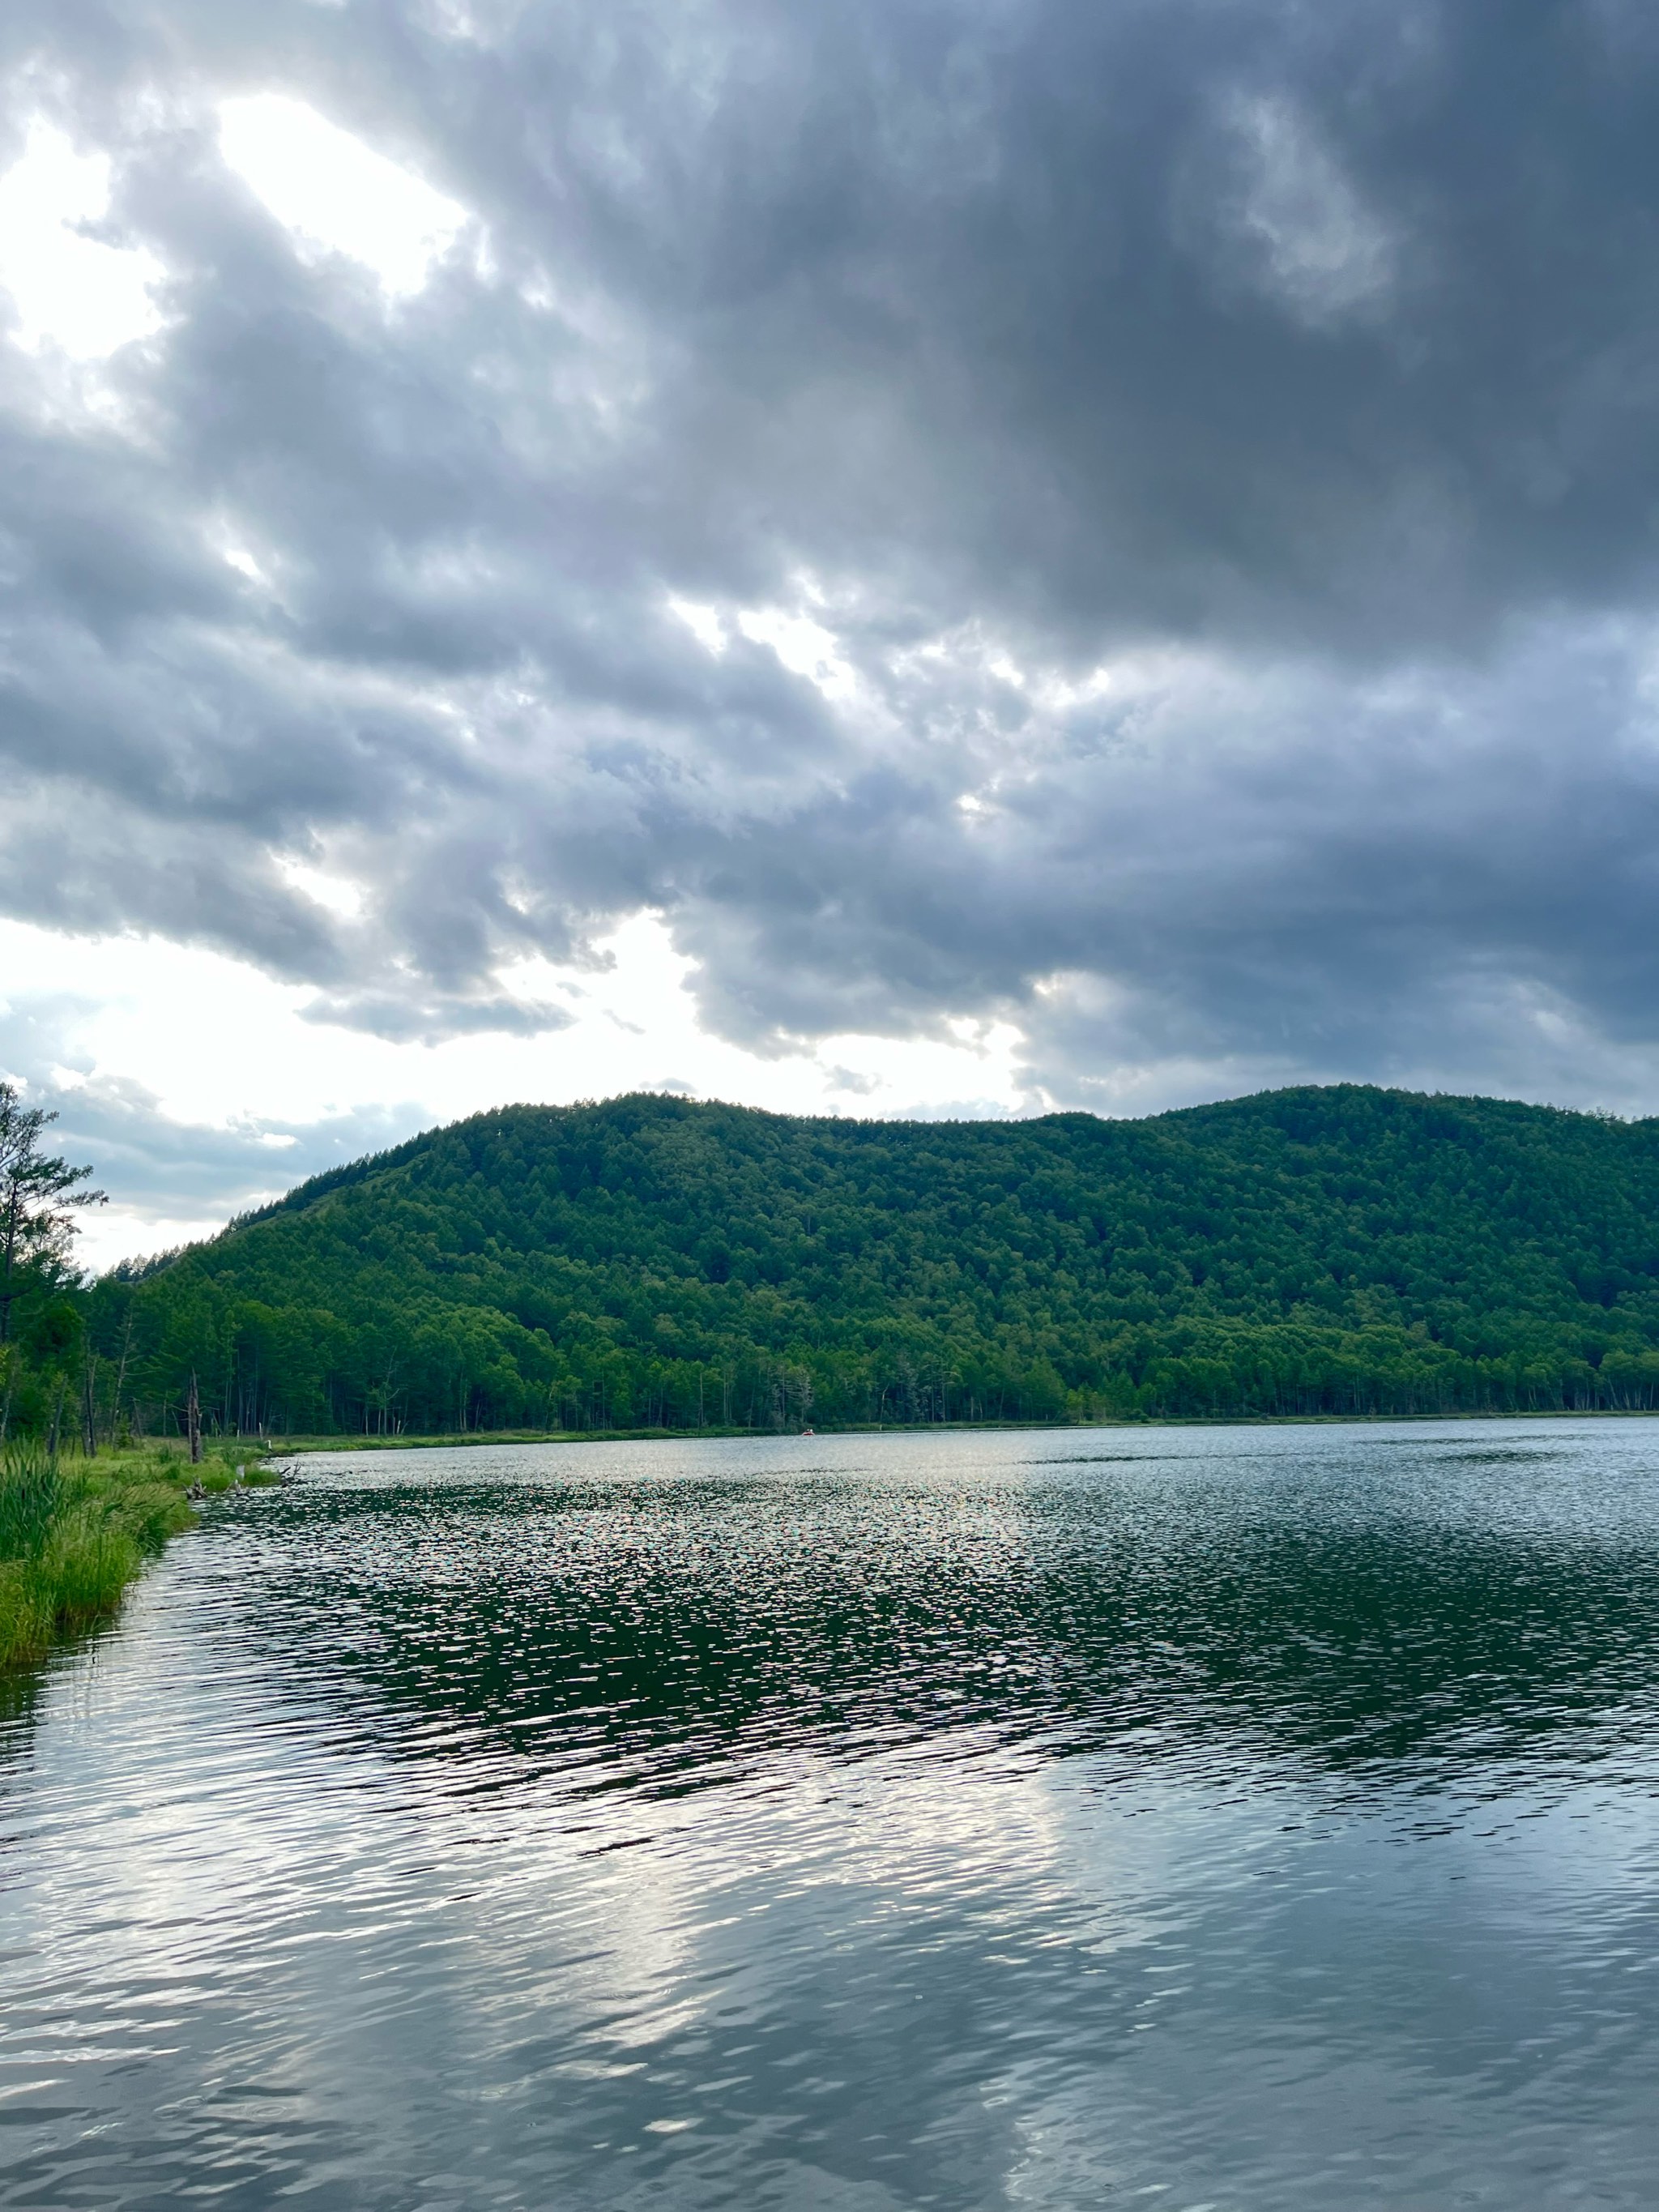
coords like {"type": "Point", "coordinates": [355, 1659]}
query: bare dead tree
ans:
{"type": "Point", "coordinates": [120, 1377]}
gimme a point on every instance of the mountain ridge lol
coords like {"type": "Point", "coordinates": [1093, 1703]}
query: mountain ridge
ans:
{"type": "Point", "coordinates": [1343, 1248]}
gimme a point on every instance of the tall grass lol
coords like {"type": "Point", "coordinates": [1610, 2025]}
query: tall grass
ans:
{"type": "Point", "coordinates": [74, 1533]}
{"type": "Point", "coordinates": [31, 1494]}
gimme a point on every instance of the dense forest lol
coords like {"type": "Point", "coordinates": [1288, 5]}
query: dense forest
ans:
{"type": "Point", "coordinates": [652, 1261]}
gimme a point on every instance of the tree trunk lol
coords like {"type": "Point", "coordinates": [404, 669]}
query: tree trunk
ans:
{"type": "Point", "coordinates": [120, 1378]}
{"type": "Point", "coordinates": [194, 1422]}
{"type": "Point", "coordinates": [8, 1261]}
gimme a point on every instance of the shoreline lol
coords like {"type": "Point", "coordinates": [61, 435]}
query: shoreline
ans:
{"type": "Point", "coordinates": [317, 1446]}
{"type": "Point", "coordinates": [76, 1532]}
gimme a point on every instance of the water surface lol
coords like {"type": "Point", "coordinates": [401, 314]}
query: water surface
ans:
{"type": "Point", "coordinates": [1247, 1818]}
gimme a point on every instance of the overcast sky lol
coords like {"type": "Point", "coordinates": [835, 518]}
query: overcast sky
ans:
{"type": "Point", "coordinates": [906, 555]}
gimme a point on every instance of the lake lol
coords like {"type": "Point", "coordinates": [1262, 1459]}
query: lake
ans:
{"type": "Point", "coordinates": [1238, 1817]}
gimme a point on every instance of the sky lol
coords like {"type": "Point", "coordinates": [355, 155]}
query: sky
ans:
{"type": "Point", "coordinates": [921, 556]}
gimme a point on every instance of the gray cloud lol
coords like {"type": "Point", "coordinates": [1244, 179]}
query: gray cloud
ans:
{"type": "Point", "coordinates": [1216, 442]}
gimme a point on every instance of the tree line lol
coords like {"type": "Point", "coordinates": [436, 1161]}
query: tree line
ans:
{"type": "Point", "coordinates": [652, 1262]}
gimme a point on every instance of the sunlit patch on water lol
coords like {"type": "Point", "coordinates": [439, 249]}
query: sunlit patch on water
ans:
{"type": "Point", "coordinates": [1243, 1817]}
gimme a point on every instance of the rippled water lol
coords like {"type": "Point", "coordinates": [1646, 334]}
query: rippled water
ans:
{"type": "Point", "coordinates": [1248, 1818]}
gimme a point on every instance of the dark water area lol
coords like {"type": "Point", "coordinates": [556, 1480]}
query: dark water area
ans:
{"type": "Point", "coordinates": [1255, 1819]}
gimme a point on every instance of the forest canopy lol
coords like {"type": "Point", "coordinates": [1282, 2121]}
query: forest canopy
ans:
{"type": "Point", "coordinates": [653, 1262]}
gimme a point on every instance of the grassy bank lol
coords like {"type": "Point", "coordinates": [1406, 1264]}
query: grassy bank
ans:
{"type": "Point", "coordinates": [75, 1532]}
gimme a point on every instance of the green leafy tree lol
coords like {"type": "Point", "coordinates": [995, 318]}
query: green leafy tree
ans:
{"type": "Point", "coordinates": [39, 1195]}
{"type": "Point", "coordinates": [653, 1262]}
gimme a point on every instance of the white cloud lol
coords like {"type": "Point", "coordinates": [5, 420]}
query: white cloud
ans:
{"type": "Point", "coordinates": [334, 192]}
{"type": "Point", "coordinates": [72, 292]}
{"type": "Point", "coordinates": [704, 622]}
{"type": "Point", "coordinates": [212, 1040]}
{"type": "Point", "coordinates": [805, 646]}
{"type": "Point", "coordinates": [338, 894]}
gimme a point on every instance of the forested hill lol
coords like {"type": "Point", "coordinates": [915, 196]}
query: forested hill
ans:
{"type": "Point", "coordinates": [653, 1261]}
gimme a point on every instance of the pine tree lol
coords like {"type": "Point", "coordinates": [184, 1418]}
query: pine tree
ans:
{"type": "Point", "coordinates": [39, 1197]}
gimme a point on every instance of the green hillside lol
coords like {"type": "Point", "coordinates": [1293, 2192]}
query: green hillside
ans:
{"type": "Point", "coordinates": [650, 1260]}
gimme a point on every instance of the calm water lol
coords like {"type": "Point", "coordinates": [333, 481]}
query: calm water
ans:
{"type": "Point", "coordinates": [1239, 1819]}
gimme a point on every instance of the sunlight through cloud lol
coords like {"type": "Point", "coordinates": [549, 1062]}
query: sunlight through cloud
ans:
{"type": "Point", "coordinates": [72, 292]}
{"type": "Point", "coordinates": [334, 192]}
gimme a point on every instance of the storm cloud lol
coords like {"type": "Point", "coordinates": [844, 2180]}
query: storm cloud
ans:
{"type": "Point", "coordinates": [1136, 521]}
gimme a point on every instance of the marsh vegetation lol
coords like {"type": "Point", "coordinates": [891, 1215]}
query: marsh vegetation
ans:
{"type": "Point", "coordinates": [75, 1532]}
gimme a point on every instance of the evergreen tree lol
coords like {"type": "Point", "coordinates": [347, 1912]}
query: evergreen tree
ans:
{"type": "Point", "coordinates": [39, 1196]}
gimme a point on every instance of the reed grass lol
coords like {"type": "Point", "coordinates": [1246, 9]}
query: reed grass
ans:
{"type": "Point", "coordinates": [74, 1533]}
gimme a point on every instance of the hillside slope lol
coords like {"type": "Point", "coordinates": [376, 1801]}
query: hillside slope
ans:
{"type": "Point", "coordinates": [650, 1260]}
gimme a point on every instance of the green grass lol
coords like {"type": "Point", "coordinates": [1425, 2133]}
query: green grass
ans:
{"type": "Point", "coordinates": [75, 1532]}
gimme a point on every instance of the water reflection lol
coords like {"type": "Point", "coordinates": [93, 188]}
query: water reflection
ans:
{"type": "Point", "coordinates": [666, 1634]}
{"type": "Point", "coordinates": [1230, 1819]}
